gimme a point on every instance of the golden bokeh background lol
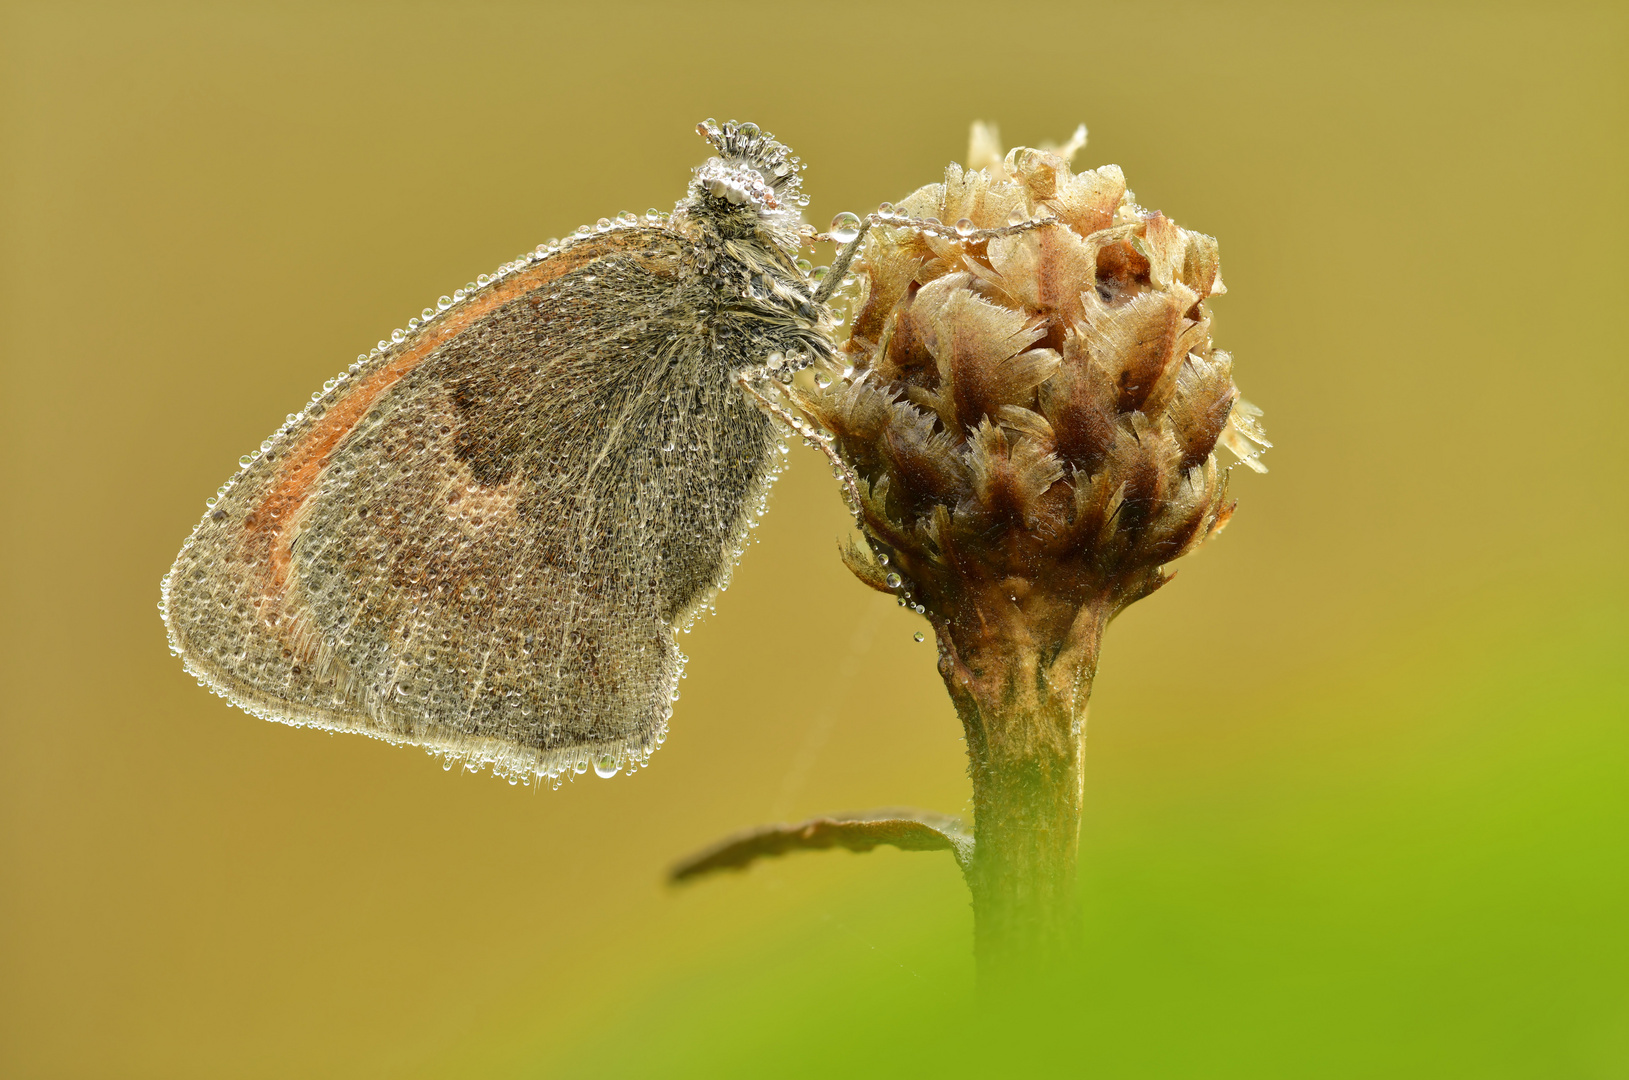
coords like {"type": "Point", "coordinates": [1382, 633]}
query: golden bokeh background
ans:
{"type": "Point", "coordinates": [1358, 782]}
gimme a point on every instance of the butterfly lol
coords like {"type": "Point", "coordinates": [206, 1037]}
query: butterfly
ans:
{"type": "Point", "coordinates": [482, 537]}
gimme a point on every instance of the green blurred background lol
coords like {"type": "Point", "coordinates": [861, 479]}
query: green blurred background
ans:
{"type": "Point", "coordinates": [1358, 784]}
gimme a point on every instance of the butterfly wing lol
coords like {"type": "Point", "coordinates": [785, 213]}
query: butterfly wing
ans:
{"type": "Point", "coordinates": [476, 542]}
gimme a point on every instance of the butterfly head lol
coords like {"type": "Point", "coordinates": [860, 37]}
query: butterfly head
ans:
{"type": "Point", "coordinates": [753, 170]}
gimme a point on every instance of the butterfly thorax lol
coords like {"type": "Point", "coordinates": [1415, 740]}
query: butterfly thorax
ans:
{"type": "Point", "coordinates": [757, 301]}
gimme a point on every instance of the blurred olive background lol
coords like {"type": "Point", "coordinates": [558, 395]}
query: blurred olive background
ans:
{"type": "Point", "coordinates": [1358, 781]}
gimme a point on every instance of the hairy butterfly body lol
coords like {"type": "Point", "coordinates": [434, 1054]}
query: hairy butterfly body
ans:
{"type": "Point", "coordinates": [481, 539]}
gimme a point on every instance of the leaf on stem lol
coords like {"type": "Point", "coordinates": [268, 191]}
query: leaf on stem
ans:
{"type": "Point", "coordinates": [908, 830]}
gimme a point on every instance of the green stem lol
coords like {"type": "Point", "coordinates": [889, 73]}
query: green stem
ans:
{"type": "Point", "coordinates": [1026, 827]}
{"type": "Point", "coordinates": [1025, 721]}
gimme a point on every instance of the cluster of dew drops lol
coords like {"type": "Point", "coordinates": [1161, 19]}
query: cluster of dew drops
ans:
{"type": "Point", "coordinates": [897, 583]}
{"type": "Point", "coordinates": [556, 769]}
{"type": "Point", "coordinates": [604, 765]}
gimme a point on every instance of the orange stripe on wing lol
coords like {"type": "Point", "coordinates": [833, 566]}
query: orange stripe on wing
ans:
{"type": "Point", "coordinates": [267, 526]}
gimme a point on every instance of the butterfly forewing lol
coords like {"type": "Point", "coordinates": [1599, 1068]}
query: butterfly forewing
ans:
{"type": "Point", "coordinates": [481, 541]}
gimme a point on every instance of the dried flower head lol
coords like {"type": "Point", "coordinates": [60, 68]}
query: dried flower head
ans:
{"type": "Point", "coordinates": [1034, 403]}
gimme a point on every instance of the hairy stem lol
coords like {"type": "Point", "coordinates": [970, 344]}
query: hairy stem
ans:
{"type": "Point", "coordinates": [1024, 714]}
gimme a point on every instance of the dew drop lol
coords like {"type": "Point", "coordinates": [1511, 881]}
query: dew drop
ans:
{"type": "Point", "coordinates": [1017, 217]}
{"type": "Point", "coordinates": [748, 130]}
{"type": "Point", "coordinates": [894, 581]}
{"type": "Point", "coordinates": [627, 217]}
{"type": "Point", "coordinates": [885, 209]}
{"type": "Point", "coordinates": [964, 227]}
{"type": "Point", "coordinates": [606, 767]}
{"type": "Point", "coordinates": [602, 224]}
{"type": "Point", "coordinates": [845, 227]}
{"type": "Point", "coordinates": [919, 636]}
